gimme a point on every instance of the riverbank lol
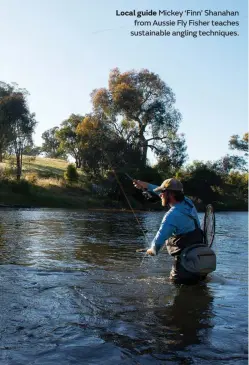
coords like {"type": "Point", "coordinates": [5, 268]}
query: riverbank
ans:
{"type": "Point", "coordinates": [28, 195]}
{"type": "Point", "coordinates": [43, 186]}
{"type": "Point", "coordinates": [25, 194]}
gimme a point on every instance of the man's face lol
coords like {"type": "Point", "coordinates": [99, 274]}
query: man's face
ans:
{"type": "Point", "coordinates": [163, 197]}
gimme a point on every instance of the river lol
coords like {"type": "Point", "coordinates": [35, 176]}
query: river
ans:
{"type": "Point", "coordinates": [74, 291]}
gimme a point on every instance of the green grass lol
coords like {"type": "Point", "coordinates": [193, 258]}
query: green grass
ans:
{"type": "Point", "coordinates": [29, 195]}
{"type": "Point", "coordinates": [44, 167]}
{"type": "Point", "coordinates": [43, 185]}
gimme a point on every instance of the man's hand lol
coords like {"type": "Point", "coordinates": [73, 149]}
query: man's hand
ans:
{"type": "Point", "coordinates": [140, 184]}
{"type": "Point", "coordinates": [150, 252]}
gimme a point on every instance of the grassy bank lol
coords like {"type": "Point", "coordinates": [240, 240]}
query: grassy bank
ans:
{"type": "Point", "coordinates": [43, 185]}
{"type": "Point", "coordinates": [33, 195]}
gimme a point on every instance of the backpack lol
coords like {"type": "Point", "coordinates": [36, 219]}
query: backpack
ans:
{"type": "Point", "coordinates": [198, 259]}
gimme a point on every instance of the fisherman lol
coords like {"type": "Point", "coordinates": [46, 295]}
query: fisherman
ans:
{"type": "Point", "coordinates": [180, 227]}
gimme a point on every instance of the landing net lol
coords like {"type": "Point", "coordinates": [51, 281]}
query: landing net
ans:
{"type": "Point", "coordinates": [209, 225]}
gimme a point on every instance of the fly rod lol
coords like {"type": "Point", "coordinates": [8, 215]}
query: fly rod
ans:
{"type": "Point", "coordinates": [126, 197]}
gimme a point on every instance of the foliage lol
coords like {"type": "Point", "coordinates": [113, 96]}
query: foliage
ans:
{"type": "Point", "coordinates": [21, 187]}
{"type": "Point", "coordinates": [139, 107]}
{"type": "Point", "coordinates": [173, 157]}
{"type": "Point", "coordinates": [208, 182]}
{"type": "Point", "coordinates": [92, 134]}
{"type": "Point", "coordinates": [228, 163]}
{"type": "Point", "coordinates": [101, 149]}
{"type": "Point", "coordinates": [200, 181]}
{"type": "Point", "coordinates": [16, 121]}
{"type": "Point", "coordinates": [71, 173]}
{"type": "Point", "coordinates": [239, 144]}
{"type": "Point", "coordinates": [5, 116]}
{"type": "Point", "coordinates": [51, 145]}
{"type": "Point", "coordinates": [21, 137]}
{"type": "Point", "coordinates": [237, 186]}
{"type": "Point", "coordinates": [32, 151]}
{"type": "Point", "coordinates": [31, 177]}
{"type": "Point", "coordinates": [135, 114]}
{"type": "Point", "coordinates": [69, 140]}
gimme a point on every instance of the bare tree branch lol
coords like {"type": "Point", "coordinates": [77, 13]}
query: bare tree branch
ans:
{"type": "Point", "coordinates": [156, 138]}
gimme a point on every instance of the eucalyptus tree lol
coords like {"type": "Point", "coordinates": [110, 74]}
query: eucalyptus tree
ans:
{"type": "Point", "coordinates": [139, 107]}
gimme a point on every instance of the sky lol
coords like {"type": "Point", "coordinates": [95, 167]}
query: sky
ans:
{"type": "Point", "coordinates": [60, 50]}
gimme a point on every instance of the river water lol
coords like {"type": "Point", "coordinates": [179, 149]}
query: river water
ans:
{"type": "Point", "coordinates": [74, 291]}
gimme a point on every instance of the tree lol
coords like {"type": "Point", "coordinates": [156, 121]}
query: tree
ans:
{"type": "Point", "coordinates": [174, 156]}
{"type": "Point", "coordinates": [12, 106]}
{"type": "Point", "coordinates": [70, 141]}
{"type": "Point", "coordinates": [237, 186]}
{"type": "Point", "coordinates": [239, 144]}
{"type": "Point", "coordinates": [145, 103]}
{"type": "Point", "coordinates": [71, 173]}
{"type": "Point", "coordinates": [31, 150]}
{"type": "Point", "coordinates": [228, 163]}
{"type": "Point", "coordinates": [51, 145]}
{"type": "Point", "coordinates": [200, 180]}
{"type": "Point", "coordinates": [21, 137]}
{"type": "Point", "coordinates": [101, 149]}
{"type": "Point", "coordinates": [91, 134]}
{"type": "Point", "coordinates": [5, 92]}
{"type": "Point", "coordinates": [17, 123]}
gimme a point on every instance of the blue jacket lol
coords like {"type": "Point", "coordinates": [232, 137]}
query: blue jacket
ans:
{"type": "Point", "coordinates": [174, 221]}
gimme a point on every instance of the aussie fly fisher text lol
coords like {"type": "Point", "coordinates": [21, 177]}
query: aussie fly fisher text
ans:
{"type": "Point", "coordinates": [184, 23]}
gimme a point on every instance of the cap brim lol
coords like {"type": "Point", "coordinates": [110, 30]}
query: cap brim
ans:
{"type": "Point", "coordinates": [163, 188]}
{"type": "Point", "coordinates": [158, 189]}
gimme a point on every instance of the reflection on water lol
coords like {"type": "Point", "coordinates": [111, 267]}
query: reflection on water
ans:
{"type": "Point", "coordinates": [75, 291]}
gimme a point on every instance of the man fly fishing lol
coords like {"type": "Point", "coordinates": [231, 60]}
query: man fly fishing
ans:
{"type": "Point", "coordinates": [180, 230]}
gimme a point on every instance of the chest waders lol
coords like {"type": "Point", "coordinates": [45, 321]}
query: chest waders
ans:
{"type": "Point", "coordinates": [193, 259]}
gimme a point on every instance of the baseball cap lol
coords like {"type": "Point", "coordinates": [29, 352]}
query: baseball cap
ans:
{"type": "Point", "coordinates": [170, 184]}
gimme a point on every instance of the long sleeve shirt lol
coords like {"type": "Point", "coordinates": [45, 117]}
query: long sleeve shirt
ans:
{"type": "Point", "coordinates": [175, 221]}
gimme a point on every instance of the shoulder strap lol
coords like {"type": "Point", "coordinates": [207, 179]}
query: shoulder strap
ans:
{"type": "Point", "coordinates": [190, 216]}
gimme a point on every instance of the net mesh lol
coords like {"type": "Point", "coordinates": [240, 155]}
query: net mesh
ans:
{"type": "Point", "coordinates": [209, 225]}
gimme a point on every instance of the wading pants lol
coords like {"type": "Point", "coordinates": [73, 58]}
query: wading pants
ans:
{"type": "Point", "coordinates": [181, 276]}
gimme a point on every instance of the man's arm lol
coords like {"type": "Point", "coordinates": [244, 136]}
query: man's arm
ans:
{"type": "Point", "coordinates": [151, 188]}
{"type": "Point", "coordinates": [165, 231]}
{"type": "Point", "coordinates": [144, 185]}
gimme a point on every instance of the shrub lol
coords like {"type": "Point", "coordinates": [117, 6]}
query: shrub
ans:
{"type": "Point", "coordinates": [31, 177]}
{"type": "Point", "coordinates": [7, 173]}
{"type": "Point", "coordinates": [21, 187]}
{"type": "Point", "coordinates": [71, 174]}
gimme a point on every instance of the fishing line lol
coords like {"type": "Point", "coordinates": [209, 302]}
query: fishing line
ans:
{"type": "Point", "coordinates": [127, 199]}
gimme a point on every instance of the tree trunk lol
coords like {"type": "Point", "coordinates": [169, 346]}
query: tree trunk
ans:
{"type": "Point", "coordinates": [144, 154]}
{"type": "Point", "coordinates": [18, 167]}
{"type": "Point", "coordinates": [143, 149]}
{"type": "Point", "coordinates": [78, 164]}
{"type": "Point", "coordinates": [77, 161]}
{"type": "Point", "coordinates": [143, 145]}
{"type": "Point", "coordinates": [2, 148]}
